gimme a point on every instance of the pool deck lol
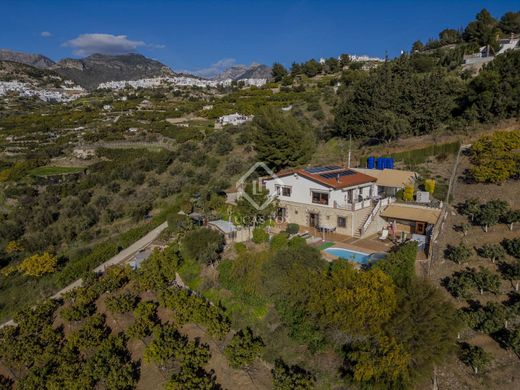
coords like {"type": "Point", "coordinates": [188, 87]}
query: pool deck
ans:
{"type": "Point", "coordinates": [369, 245]}
{"type": "Point", "coordinates": [366, 245]}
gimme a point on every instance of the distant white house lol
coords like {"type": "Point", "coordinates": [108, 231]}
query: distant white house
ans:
{"type": "Point", "coordinates": [234, 119]}
{"type": "Point", "coordinates": [485, 54]}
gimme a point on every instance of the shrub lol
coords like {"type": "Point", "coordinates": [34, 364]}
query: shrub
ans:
{"type": "Point", "coordinates": [203, 245]}
{"type": "Point", "coordinates": [280, 241]}
{"type": "Point", "coordinates": [429, 185]}
{"type": "Point", "coordinates": [38, 265]}
{"type": "Point", "coordinates": [408, 193]}
{"type": "Point", "coordinates": [297, 241]}
{"type": "Point", "coordinates": [240, 248]}
{"type": "Point", "coordinates": [292, 228]}
{"type": "Point", "coordinates": [260, 235]}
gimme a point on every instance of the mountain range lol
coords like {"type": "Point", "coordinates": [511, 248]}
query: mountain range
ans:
{"type": "Point", "coordinates": [239, 72]}
{"type": "Point", "coordinates": [90, 71]}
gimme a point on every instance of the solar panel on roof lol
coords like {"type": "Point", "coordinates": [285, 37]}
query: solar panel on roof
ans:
{"type": "Point", "coordinates": [332, 175]}
{"type": "Point", "coordinates": [322, 169]}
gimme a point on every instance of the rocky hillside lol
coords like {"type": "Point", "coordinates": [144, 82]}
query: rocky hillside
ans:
{"type": "Point", "coordinates": [98, 68]}
{"type": "Point", "coordinates": [239, 72]}
{"type": "Point", "coordinates": [15, 71]}
{"type": "Point", "coordinates": [37, 60]}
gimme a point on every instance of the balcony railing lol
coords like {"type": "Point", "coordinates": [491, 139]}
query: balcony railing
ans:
{"type": "Point", "coordinates": [380, 203]}
{"type": "Point", "coordinates": [353, 206]}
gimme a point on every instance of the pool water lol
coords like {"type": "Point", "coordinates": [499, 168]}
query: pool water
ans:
{"type": "Point", "coordinates": [347, 254]}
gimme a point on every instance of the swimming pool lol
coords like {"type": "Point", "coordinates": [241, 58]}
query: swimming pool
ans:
{"type": "Point", "coordinates": [347, 254]}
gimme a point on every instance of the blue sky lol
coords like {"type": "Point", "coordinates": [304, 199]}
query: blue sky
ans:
{"type": "Point", "coordinates": [209, 35]}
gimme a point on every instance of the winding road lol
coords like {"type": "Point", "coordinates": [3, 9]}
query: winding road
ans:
{"type": "Point", "coordinates": [124, 255]}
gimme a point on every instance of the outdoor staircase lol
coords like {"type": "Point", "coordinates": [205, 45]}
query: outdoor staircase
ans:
{"type": "Point", "coordinates": [370, 219]}
{"type": "Point", "coordinates": [361, 217]}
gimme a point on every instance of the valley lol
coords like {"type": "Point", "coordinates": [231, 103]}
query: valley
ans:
{"type": "Point", "coordinates": [348, 222]}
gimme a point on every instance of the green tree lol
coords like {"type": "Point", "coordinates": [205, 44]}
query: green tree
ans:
{"type": "Point", "coordinates": [278, 72]}
{"type": "Point", "coordinates": [470, 207]}
{"type": "Point", "coordinates": [491, 213]}
{"type": "Point", "coordinates": [159, 270]}
{"type": "Point", "coordinates": [311, 68]}
{"type": "Point", "coordinates": [512, 217]}
{"type": "Point", "coordinates": [369, 297]}
{"type": "Point", "coordinates": [492, 251]}
{"type": "Point", "coordinates": [281, 140]}
{"type": "Point", "coordinates": [291, 377]}
{"type": "Point", "coordinates": [400, 264]}
{"type": "Point", "coordinates": [167, 344]}
{"type": "Point", "coordinates": [378, 361]}
{"type": "Point", "coordinates": [417, 46]}
{"type": "Point", "coordinates": [512, 272]}
{"type": "Point", "coordinates": [474, 356]}
{"type": "Point", "coordinates": [145, 319]}
{"type": "Point", "coordinates": [458, 254]}
{"type": "Point", "coordinates": [459, 284]}
{"type": "Point", "coordinates": [485, 280]}
{"type": "Point", "coordinates": [510, 23]}
{"type": "Point", "coordinates": [483, 30]}
{"type": "Point", "coordinates": [426, 331]}
{"type": "Point", "coordinates": [243, 349]}
{"type": "Point", "coordinates": [121, 303]}
{"type": "Point", "coordinates": [513, 340]}
{"type": "Point", "coordinates": [449, 36]}
{"type": "Point", "coordinates": [512, 246]}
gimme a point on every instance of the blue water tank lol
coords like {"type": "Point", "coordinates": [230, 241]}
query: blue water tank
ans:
{"type": "Point", "coordinates": [390, 163]}
{"type": "Point", "coordinates": [380, 163]}
{"type": "Point", "coordinates": [371, 161]}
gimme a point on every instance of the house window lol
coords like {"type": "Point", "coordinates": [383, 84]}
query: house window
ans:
{"type": "Point", "coordinates": [320, 198]}
{"type": "Point", "coordinates": [342, 222]}
{"type": "Point", "coordinates": [285, 191]}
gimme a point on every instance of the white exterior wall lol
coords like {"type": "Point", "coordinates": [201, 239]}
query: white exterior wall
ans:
{"type": "Point", "coordinates": [301, 191]}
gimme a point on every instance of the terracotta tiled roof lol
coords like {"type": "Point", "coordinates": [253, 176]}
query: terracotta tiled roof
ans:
{"type": "Point", "coordinates": [334, 178]}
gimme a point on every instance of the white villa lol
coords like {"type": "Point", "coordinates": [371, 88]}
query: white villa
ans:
{"type": "Point", "coordinates": [233, 119]}
{"type": "Point", "coordinates": [333, 198]}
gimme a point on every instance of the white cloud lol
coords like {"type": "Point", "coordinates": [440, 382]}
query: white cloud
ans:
{"type": "Point", "coordinates": [46, 34]}
{"type": "Point", "coordinates": [86, 44]}
{"type": "Point", "coordinates": [213, 69]}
